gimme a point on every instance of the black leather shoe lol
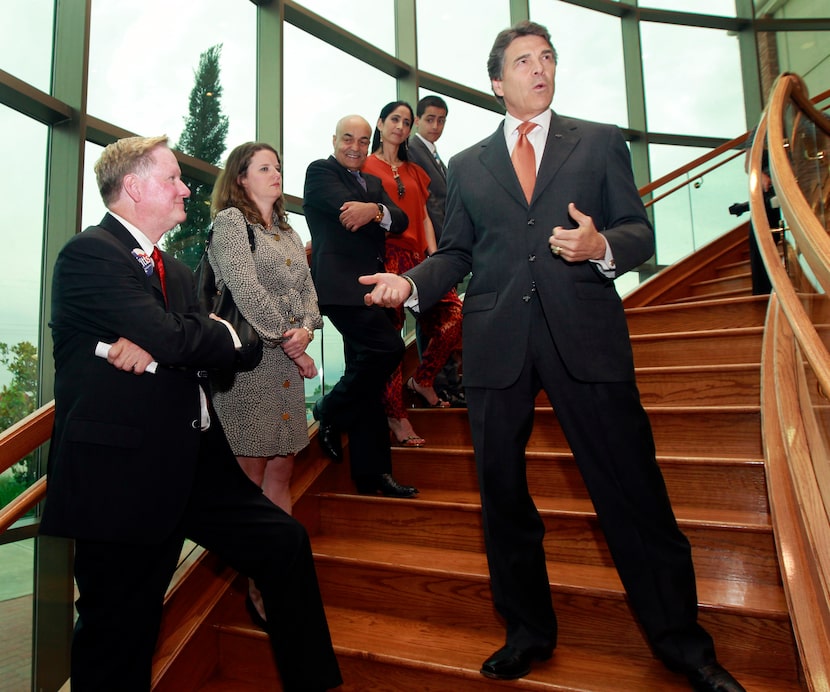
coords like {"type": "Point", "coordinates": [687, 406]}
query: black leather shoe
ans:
{"type": "Point", "coordinates": [509, 663]}
{"type": "Point", "coordinates": [329, 436]}
{"type": "Point", "coordinates": [385, 485]}
{"type": "Point", "coordinates": [714, 678]}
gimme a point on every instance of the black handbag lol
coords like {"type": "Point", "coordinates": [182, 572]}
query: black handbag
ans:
{"type": "Point", "coordinates": [221, 303]}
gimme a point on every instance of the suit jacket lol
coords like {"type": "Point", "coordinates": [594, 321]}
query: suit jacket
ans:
{"type": "Point", "coordinates": [339, 256]}
{"type": "Point", "coordinates": [124, 446]}
{"type": "Point", "coordinates": [491, 230]}
{"type": "Point", "coordinates": [419, 153]}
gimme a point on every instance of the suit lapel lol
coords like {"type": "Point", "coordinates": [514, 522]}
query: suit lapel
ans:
{"type": "Point", "coordinates": [114, 226]}
{"type": "Point", "coordinates": [350, 181]}
{"type": "Point", "coordinates": [494, 158]}
{"type": "Point", "coordinates": [442, 171]}
{"type": "Point", "coordinates": [563, 136]}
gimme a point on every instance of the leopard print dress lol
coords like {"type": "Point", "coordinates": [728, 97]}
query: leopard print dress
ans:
{"type": "Point", "coordinates": [263, 411]}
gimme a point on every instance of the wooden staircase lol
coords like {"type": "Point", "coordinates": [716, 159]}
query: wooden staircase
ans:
{"type": "Point", "coordinates": [405, 582]}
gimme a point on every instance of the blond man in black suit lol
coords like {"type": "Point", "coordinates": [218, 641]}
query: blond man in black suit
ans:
{"type": "Point", "coordinates": [137, 462]}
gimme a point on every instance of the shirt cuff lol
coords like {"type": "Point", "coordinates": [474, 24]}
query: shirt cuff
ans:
{"type": "Point", "coordinates": [412, 301]}
{"type": "Point", "coordinates": [607, 265]}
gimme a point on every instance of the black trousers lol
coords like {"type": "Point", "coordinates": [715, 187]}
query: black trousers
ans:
{"type": "Point", "coordinates": [373, 348]}
{"type": "Point", "coordinates": [610, 436]}
{"type": "Point", "coordinates": [121, 587]}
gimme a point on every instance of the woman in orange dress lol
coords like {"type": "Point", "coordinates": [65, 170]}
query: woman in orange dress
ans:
{"type": "Point", "coordinates": [407, 183]}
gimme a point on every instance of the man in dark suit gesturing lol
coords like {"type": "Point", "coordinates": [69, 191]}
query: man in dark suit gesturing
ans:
{"type": "Point", "coordinates": [137, 462]}
{"type": "Point", "coordinates": [349, 215]}
{"type": "Point", "coordinates": [546, 214]}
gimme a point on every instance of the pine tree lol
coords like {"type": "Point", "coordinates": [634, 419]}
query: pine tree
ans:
{"type": "Point", "coordinates": [203, 137]}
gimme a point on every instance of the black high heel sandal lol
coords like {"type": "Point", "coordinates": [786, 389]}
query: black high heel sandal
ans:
{"type": "Point", "coordinates": [440, 403]}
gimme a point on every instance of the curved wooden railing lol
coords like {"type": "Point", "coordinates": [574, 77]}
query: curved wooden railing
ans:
{"type": "Point", "coordinates": [796, 360]}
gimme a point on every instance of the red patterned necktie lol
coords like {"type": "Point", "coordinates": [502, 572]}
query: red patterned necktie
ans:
{"type": "Point", "coordinates": [158, 263]}
{"type": "Point", "coordinates": [524, 160]}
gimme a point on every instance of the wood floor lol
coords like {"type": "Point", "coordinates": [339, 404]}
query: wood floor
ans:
{"type": "Point", "coordinates": [405, 581]}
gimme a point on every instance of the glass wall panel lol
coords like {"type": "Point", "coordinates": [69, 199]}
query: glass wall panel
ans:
{"type": "Point", "coordinates": [26, 41]}
{"type": "Point", "coordinates": [723, 8]}
{"type": "Point", "coordinates": [16, 581]}
{"type": "Point", "coordinates": [371, 20]}
{"type": "Point", "coordinates": [699, 212]}
{"type": "Point", "coordinates": [454, 38]}
{"type": "Point", "coordinates": [807, 54]}
{"type": "Point", "coordinates": [143, 58]}
{"type": "Point", "coordinates": [466, 125]}
{"type": "Point", "coordinates": [590, 83]}
{"type": "Point", "coordinates": [317, 96]}
{"type": "Point", "coordinates": [692, 81]}
{"type": "Point", "coordinates": [21, 237]}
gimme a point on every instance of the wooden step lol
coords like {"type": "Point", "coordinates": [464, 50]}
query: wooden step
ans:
{"type": "Point", "coordinates": [691, 482]}
{"type": "Point", "coordinates": [741, 268]}
{"type": "Point", "coordinates": [713, 347]}
{"type": "Point", "coordinates": [730, 432]}
{"type": "Point", "coordinates": [729, 384]}
{"type": "Point", "coordinates": [384, 651]}
{"type": "Point", "coordinates": [710, 385]}
{"type": "Point", "coordinates": [746, 311]}
{"type": "Point", "coordinates": [722, 285]}
{"type": "Point", "coordinates": [726, 544]}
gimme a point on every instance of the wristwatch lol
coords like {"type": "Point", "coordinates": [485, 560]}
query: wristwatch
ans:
{"type": "Point", "coordinates": [379, 215]}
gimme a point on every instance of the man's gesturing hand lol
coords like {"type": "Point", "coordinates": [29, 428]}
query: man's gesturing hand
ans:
{"type": "Point", "coordinates": [578, 244]}
{"type": "Point", "coordinates": [390, 290]}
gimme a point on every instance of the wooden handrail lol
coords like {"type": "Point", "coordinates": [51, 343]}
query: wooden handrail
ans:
{"type": "Point", "coordinates": [795, 457]}
{"type": "Point", "coordinates": [26, 435]}
{"type": "Point", "coordinates": [15, 443]}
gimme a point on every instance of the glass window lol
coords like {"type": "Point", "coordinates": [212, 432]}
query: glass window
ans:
{"type": "Point", "coordinates": [590, 82]}
{"type": "Point", "coordinates": [440, 43]}
{"type": "Point", "coordinates": [143, 58]}
{"type": "Point", "coordinates": [806, 54]}
{"type": "Point", "coordinates": [723, 8]}
{"type": "Point", "coordinates": [26, 41]}
{"type": "Point", "coordinates": [371, 20]}
{"type": "Point", "coordinates": [692, 80]}
{"type": "Point", "coordinates": [309, 120]}
{"type": "Point", "coordinates": [466, 125]}
{"type": "Point", "coordinates": [93, 209]}
{"type": "Point", "coordinates": [21, 237]}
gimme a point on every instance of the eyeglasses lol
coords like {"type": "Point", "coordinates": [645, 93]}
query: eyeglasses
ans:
{"type": "Point", "coordinates": [398, 182]}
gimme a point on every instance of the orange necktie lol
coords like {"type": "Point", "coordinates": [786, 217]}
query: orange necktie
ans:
{"type": "Point", "coordinates": [524, 160]}
{"type": "Point", "coordinates": [158, 263]}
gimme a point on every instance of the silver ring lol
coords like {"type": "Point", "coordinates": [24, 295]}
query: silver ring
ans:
{"type": "Point", "coordinates": [134, 365]}
{"type": "Point", "coordinates": [556, 250]}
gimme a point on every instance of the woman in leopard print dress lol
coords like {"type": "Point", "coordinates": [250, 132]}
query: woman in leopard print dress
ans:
{"type": "Point", "coordinates": [263, 410]}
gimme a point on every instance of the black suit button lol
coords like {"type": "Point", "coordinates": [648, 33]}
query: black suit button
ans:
{"type": "Point", "coordinates": [195, 424]}
{"type": "Point", "coordinates": [531, 222]}
{"type": "Point", "coordinates": [531, 258]}
{"type": "Point", "coordinates": [526, 299]}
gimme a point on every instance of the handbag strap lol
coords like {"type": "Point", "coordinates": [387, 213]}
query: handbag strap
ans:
{"type": "Point", "coordinates": [251, 239]}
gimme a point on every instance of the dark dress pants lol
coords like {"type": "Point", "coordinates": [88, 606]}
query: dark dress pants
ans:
{"type": "Point", "coordinates": [373, 348]}
{"type": "Point", "coordinates": [610, 436]}
{"type": "Point", "coordinates": [122, 587]}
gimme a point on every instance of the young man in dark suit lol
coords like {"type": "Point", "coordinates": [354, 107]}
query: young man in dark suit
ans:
{"type": "Point", "coordinates": [137, 462]}
{"type": "Point", "coordinates": [349, 215]}
{"type": "Point", "coordinates": [546, 213]}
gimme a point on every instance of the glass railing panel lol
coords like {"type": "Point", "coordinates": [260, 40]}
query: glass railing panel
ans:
{"type": "Point", "coordinates": [809, 154]}
{"type": "Point", "coordinates": [698, 212]}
